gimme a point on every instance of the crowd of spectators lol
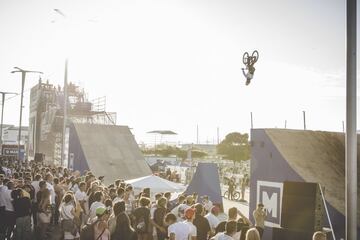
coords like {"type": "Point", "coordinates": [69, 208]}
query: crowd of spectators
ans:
{"type": "Point", "coordinates": [36, 199]}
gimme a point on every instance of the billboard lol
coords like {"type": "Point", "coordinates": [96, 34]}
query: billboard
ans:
{"type": "Point", "coordinates": [12, 151]}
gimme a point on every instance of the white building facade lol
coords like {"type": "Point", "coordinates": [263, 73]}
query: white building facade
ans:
{"type": "Point", "coordinates": [10, 134]}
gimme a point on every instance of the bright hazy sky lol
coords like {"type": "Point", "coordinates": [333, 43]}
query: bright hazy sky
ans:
{"type": "Point", "coordinates": [177, 64]}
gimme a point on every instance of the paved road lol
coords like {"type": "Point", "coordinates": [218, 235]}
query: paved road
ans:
{"type": "Point", "coordinates": [243, 207]}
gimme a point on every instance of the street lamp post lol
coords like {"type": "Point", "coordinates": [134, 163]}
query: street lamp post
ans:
{"type": "Point", "coordinates": [65, 116]}
{"type": "Point", "coordinates": [23, 76]}
{"type": "Point", "coordinates": [63, 142]}
{"type": "Point", "coordinates": [351, 135]}
{"type": "Point", "coordinates": [2, 112]}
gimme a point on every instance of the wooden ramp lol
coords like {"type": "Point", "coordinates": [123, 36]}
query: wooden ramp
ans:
{"type": "Point", "coordinates": [106, 150]}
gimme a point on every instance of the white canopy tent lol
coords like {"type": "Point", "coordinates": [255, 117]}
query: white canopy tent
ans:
{"type": "Point", "coordinates": [156, 185]}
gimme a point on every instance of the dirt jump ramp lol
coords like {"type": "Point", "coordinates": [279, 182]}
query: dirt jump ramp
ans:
{"type": "Point", "coordinates": [280, 155]}
{"type": "Point", "coordinates": [106, 150]}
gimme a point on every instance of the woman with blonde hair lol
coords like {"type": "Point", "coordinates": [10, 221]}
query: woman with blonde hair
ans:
{"type": "Point", "coordinates": [252, 234]}
{"type": "Point", "coordinates": [68, 215]}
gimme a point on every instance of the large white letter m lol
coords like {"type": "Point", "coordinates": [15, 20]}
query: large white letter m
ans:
{"type": "Point", "coordinates": [270, 203]}
{"type": "Point", "coordinates": [270, 194]}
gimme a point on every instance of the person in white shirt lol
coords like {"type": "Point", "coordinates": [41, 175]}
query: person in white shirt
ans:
{"type": "Point", "coordinates": [49, 185]}
{"type": "Point", "coordinates": [120, 195]}
{"type": "Point", "coordinates": [81, 197]}
{"type": "Point", "coordinates": [9, 211]}
{"type": "Point", "coordinates": [207, 203]}
{"type": "Point", "coordinates": [230, 230]}
{"type": "Point", "coordinates": [189, 216]}
{"type": "Point", "coordinates": [181, 206]}
{"type": "Point", "coordinates": [99, 198]}
{"type": "Point", "coordinates": [3, 189]}
{"type": "Point", "coordinates": [36, 182]}
{"type": "Point", "coordinates": [177, 230]}
{"type": "Point", "coordinates": [212, 218]}
{"type": "Point", "coordinates": [67, 213]}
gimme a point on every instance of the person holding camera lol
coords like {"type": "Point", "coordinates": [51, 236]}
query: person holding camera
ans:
{"type": "Point", "coordinates": [259, 216]}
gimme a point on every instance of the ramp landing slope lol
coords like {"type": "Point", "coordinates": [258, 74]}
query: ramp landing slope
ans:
{"type": "Point", "coordinates": [317, 157]}
{"type": "Point", "coordinates": [280, 155]}
{"type": "Point", "coordinates": [107, 150]}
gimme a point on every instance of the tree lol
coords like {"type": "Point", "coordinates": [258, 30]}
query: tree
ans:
{"type": "Point", "coordinates": [235, 147]}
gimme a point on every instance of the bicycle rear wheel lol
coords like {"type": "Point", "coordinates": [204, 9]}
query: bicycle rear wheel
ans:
{"type": "Point", "coordinates": [236, 196]}
{"type": "Point", "coordinates": [246, 58]}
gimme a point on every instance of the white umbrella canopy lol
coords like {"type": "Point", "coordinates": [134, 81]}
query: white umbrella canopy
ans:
{"type": "Point", "coordinates": [156, 185]}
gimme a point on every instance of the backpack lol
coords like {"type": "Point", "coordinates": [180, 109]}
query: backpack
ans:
{"type": "Point", "coordinates": [87, 232]}
{"type": "Point", "coordinates": [141, 223]}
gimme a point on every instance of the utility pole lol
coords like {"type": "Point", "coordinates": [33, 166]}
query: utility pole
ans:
{"type": "Point", "coordinates": [65, 115]}
{"type": "Point", "coordinates": [218, 135]}
{"type": "Point", "coordinates": [304, 118]}
{"type": "Point", "coordinates": [23, 76]}
{"type": "Point", "coordinates": [351, 135]}
{"type": "Point", "coordinates": [2, 111]}
{"type": "Point", "coordinates": [197, 134]}
{"type": "Point", "coordinates": [252, 121]}
{"type": "Point", "coordinates": [285, 124]}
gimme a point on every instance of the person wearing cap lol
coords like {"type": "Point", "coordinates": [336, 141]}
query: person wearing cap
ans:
{"type": "Point", "coordinates": [101, 229]}
{"type": "Point", "coordinates": [259, 216]}
{"type": "Point", "coordinates": [189, 216]}
{"type": "Point", "coordinates": [176, 230]}
{"type": "Point", "coordinates": [212, 218]}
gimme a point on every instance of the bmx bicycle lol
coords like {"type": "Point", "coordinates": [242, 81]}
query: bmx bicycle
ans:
{"type": "Point", "coordinates": [250, 60]}
{"type": "Point", "coordinates": [235, 196]}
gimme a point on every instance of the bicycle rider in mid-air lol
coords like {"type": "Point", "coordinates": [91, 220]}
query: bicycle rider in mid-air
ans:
{"type": "Point", "coordinates": [249, 62]}
{"type": "Point", "coordinates": [250, 71]}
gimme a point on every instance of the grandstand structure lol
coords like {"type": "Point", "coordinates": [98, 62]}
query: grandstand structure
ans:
{"type": "Point", "coordinates": [46, 118]}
